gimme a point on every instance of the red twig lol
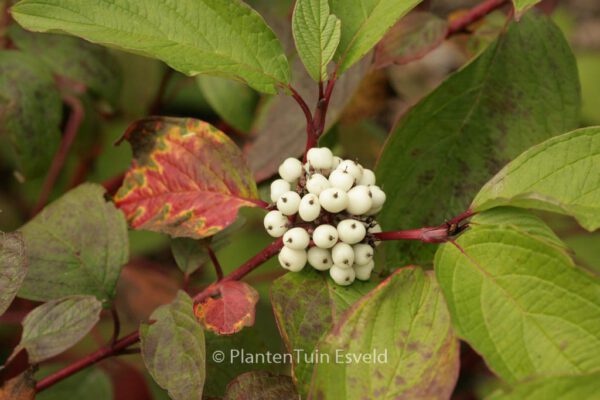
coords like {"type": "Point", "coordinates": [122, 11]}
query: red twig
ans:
{"type": "Point", "coordinates": [133, 337]}
{"type": "Point", "coordinates": [116, 325]}
{"type": "Point", "coordinates": [215, 262]}
{"type": "Point", "coordinates": [71, 129]}
{"type": "Point", "coordinates": [432, 234]}
{"type": "Point", "coordinates": [474, 14]}
{"type": "Point", "coordinates": [91, 359]}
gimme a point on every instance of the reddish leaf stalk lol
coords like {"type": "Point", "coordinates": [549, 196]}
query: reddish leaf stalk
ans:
{"type": "Point", "coordinates": [474, 14]}
{"type": "Point", "coordinates": [71, 129]}
{"type": "Point", "coordinates": [215, 262]}
{"type": "Point", "coordinates": [433, 234]}
{"type": "Point", "coordinates": [116, 325]}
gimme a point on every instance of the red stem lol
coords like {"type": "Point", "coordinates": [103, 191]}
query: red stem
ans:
{"type": "Point", "coordinates": [432, 234]}
{"type": "Point", "coordinates": [474, 14]}
{"type": "Point", "coordinates": [215, 262]}
{"type": "Point", "coordinates": [71, 129]}
{"type": "Point", "coordinates": [116, 325]}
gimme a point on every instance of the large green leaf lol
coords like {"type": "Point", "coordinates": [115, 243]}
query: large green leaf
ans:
{"type": "Point", "coordinates": [30, 111]}
{"type": "Point", "coordinates": [173, 349]}
{"type": "Point", "coordinates": [306, 305]}
{"type": "Point", "coordinates": [223, 38]}
{"type": "Point", "coordinates": [560, 175]}
{"type": "Point", "coordinates": [233, 101]}
{"type": "Point", "coordinates": [316, 34]}
{"type": "Point", "coordinates": [57, 325]}
{"type": "Point", "coordinates": [515, 295]}
{"type": "Point", "coordinates": [404, 326]}
{"type": "Point", "coordinates": [577, 387]}
{"type": "Point", "coordinates": [364, 22]}
{"type": "Point", "coordinates": [522, 90]}
{"type": "Point", "coordinates": [13, 267]}
{"type": "Point", "coordinates": [73, 58]}
{"type": "Point", "coordinates": [76, 245]}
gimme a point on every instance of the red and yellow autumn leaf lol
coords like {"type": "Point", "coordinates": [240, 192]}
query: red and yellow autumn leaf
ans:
{"type": "Point", "coordinates": [187, 178]}
{"type": "Point", "coordinates": [231, 309]}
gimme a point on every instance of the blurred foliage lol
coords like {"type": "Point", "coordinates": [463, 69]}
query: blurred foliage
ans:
{"type": "Point", "coordinates": [148, 87]}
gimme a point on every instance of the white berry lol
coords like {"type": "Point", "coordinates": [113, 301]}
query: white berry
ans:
{"type": "Point", "coordinates": [351, 231]}
{"type": "Point", "coordinates": [343, 255]}
{"type": "Point", "coordinates": [341, 180]}
{"type": "Point", "coordinates": [352, 168]}
{"type": "Point", "coordinates": [368, 178]}
{"type": "Point", "coordinates": [375, 229]}
{"type": "Point", "coordinates": [309, 208]}
{"type": "Point", "coordinates": [363, 254]}
{"type": "Point", "coordinates": [374, 210]}
{"type": "Point", "coordinates": [293, 260]}
{"type": "Point", "coordinates": [359, 200]}
{"type": "Point", "coordinates": [336, 161]}
{"type": "Point", "coordinates": [317, 183]}
{"type": "Point", "coordinates": [275, 223]}
{"type": "Point", "coordinates": [320, 158]}
{"type": "Point", "coordinates": [325, 236]}
{"type": "Point", "coordinates": [288, 203]}
{"type": "Point", "coordinates": [363, 272]}
{"type": "Point", "coordinates": [296, 238]}
{"type": "Point", "coordinates": [290, 169]}
{"type": "Point", "coordinates": [333, 200]}
{"type": "Point", "coordinates": [342, 276]}
{"type": "Point", "coordinates": [279, 187]}
{"type": "Point", "coordinates": [377, 196]}
{"type": "Point", "coordinates": [320, 258]}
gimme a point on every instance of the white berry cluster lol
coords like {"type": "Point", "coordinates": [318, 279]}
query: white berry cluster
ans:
{"type": "Point", "coordinates": [331, 202]}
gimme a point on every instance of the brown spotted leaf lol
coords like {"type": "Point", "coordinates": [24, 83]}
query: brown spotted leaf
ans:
{"type": "Point", "coordinates": [396, 342]}
{"type": "Point", "coordinates": [410, 39]}
{"type": "Point", "coordinates": [173, 349]}
{"type": "Point", "coordinates": [13, 267]}
{"type": "Point", "coordinates": [231, 310]}
{"type": "Point", "coordinates": [187, 178]}
{"type": "Point", "coordinates": [306, 306]}
{"type": "Point", "coordinates": [261, 385]}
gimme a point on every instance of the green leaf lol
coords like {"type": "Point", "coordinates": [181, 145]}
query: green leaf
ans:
{"type": "Point", "coordinates": [89, 384]}
{"type": "Point", "coordinates": [76, 245]}
{"type": "Point", "coordinates": [404, 326]}
{"type": "Point", "coordinates": [73, 58]}
{"type": "Point", "coordinates": [560, 175]}
{"type": "Point", "coordinates": [57, 325]}
{"type": "Point", "coordinates": [14, 267]}
{"type": "Point", "coordinates": [189, 254]}
{"type": "Point", "coordinates": [516, 297]}
{"type": "Point", "coordinates": [523, 5]}
{"type": "Point", "coordinates": [30, 111]}
{"type": "Point", "coordinates": [222, 38]}
{"type": "Point", "coordinates": [410, 39]}
{"type": "Point", "coordinates": [187, 179]}
{"type": "Point", "coordinates": [173, 349]}
{"type": "Point", "coordinates": [520, 91]}
{"type": "Point", "coordinates": [364, 23]}
{"type": "Point", "coordinates": [233, 101]}
{"type": "Point", "coordinates": [306, 305]}
{"type": "Point", "coordinates": [261, 385]}
{"type": "Point", "coordinates": [576, 387]}
{"type": "Point", "coordinates": [316, 34]}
